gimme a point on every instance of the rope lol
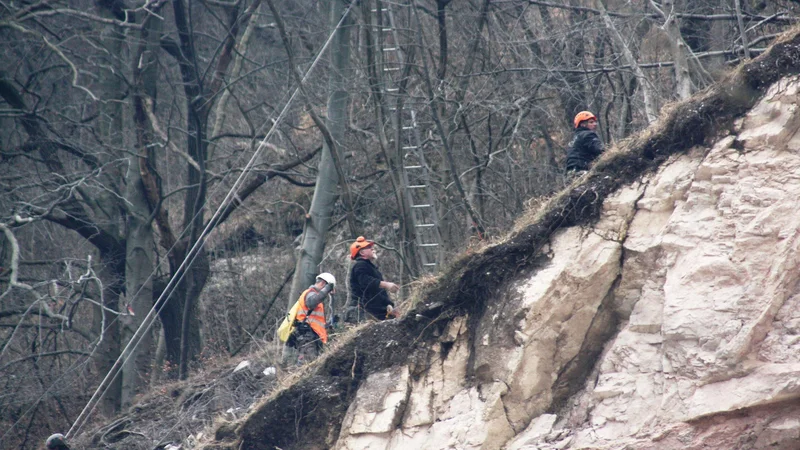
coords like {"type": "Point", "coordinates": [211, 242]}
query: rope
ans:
{"type": "Point", "coordinates": [194, 251]}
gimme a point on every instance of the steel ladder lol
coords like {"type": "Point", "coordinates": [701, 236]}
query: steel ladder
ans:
{"type": "Point", "coordinates": [416, 173]}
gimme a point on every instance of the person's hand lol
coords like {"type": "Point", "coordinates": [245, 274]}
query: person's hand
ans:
{"type": "Point", "coordinates": [391, 287]}
{"type": "Point", "coordinates": [392, 312]}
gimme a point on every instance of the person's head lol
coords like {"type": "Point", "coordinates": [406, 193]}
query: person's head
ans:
{"type": "Point", "coordinates": [323, 279]}
{"type": "Point", "coordinates": [585, 119]}
{"type": "Point", "coordinates": [363, 248]}
{"type": "Point", "coordinates": [56, 442]}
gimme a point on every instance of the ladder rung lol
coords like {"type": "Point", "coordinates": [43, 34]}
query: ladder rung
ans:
{"type": "Point", "coordinates": [427, 245]}
{"type": "Point", "coordinates": [416, 186]}
{"type": "Point", "coordinates": [426, 225]}
{"type": "Point", "coordinates": [412, 167]}
{"type": "Point", "coordinates": [421, 206]}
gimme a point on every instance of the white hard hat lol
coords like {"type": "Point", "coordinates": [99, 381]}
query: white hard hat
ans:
{"type": "Point", "coordinates": [56, 442]}
{"type": "Point", "coordinates": [328, 278]}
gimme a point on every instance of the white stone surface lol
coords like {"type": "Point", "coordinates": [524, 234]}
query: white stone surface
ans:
{"type": "Point", "coordinates": [379, 404]}
{"type": "Point", "coordinates": [537, 430]}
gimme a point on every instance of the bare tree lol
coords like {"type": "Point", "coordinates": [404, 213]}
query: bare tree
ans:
{"type": "Point", "coordinates": [122, 124]}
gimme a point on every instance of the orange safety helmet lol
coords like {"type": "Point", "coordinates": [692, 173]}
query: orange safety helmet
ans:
{"type": "Point", "coordinates": [356, 246]}
{"type": "Point", "coordinates": [581, 116]}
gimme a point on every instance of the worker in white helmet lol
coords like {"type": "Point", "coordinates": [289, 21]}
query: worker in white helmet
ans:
{"type": "Point", "coordinates": [310, 333]}
{"type": "Point", "coordinates": [56, 442]}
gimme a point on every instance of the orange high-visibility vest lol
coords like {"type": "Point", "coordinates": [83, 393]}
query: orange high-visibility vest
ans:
{"type": "Point", "coordinates": [316, 319]}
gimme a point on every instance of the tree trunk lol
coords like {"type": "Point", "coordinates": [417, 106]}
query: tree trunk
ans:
{"type": "Point", "coordinates": [110, 269]}
{"type": "Point", "coordinates": [181, 326]}
{"type": "Point", "coordinates": [441, 20]}
{"type": "Point", "coordinates": [742, 31]}
{"type": "Point", "coordinates": [160, 353]}
{"type": "Point", "coordinates": [650, 109]}
{"type": "Point", "coordinates": [325, 193]}
{"type": "Point", "coordinates": [188, 293]}
{"type": "Point", "coordinates": [140, 258]}
{"type": "Point", "coordinates": [568, 53]}
{"type": "Point", "coordinates": [683, 80]}
{"type": "Point", "coordinates": [241, 49]}
{"type": "Point", "coordinates": [140, 243]}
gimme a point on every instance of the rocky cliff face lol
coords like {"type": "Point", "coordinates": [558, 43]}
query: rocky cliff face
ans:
{"type": "Point", "coordinates": [655, 305]}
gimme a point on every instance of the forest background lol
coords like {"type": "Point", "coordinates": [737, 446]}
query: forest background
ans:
{"type": "Point", "coordinates": [133, 131]}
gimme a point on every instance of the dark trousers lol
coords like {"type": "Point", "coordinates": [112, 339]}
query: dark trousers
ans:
{"type": "Point", "coordinates": [302, 346]}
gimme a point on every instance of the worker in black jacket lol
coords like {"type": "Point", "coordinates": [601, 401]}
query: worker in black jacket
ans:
{"type": "Point", "coordinates": [586, 145]}
{"type": "Point", "coordinates": [367, 288]}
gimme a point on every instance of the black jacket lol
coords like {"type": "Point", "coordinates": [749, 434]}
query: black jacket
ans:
{"type": "Point", "coordinates": [365, 280]}
{"type": "Point", "coordinates": [584, 148]}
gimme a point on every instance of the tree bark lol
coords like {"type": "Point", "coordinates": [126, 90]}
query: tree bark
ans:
{"type": "Point", "coordinates": [441, 20]}
{"type": "Point", "coordinates": [140, 243]}
{"type": "Point", "coordinates": [110, 273]}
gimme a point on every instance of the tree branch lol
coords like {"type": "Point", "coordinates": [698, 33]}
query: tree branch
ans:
{"type": "Point", "coordinates": [76, 13]}
{"type": "Point", "coordinates": [155, 124]}
{"type": "Point", "coordinates": [58, 52]}
{"type": "Point", "coordinates": [326, 134]}
{"type": "Point", "coordinates": [476, 220]}
{"type": "Point", "coordinates": [651, 112]}
{"type": "Point", "coordinates": [246, 190]}
{"type": "Point", "coordinates": [44, 354]}
{"type": "Point", "coordinates": [226, 55]}
{"type": "Point", "coordinates": [710, 17]}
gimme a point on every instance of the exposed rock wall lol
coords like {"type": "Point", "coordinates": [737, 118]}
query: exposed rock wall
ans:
{"type": "Point", "coordinates": [709, 296]}
{"type": "Point", "coordinates": [651, 307]}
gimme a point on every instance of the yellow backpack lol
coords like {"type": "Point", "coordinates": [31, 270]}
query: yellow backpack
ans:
{"type": "Point", "coordinates": [287, 326]}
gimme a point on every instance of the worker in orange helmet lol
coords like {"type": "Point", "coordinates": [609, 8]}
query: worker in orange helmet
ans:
{"type": "Point", "coordinates": [368, 290]}
{"type": "Point", "coordinates": [585, 146]}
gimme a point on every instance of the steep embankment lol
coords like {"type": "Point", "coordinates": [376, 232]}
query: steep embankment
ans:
{"type": "Point", "coordinates": [651, 306]}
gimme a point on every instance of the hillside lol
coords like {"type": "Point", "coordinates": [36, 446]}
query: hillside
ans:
{"type": "Point", "coordinates": [651, 305]}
